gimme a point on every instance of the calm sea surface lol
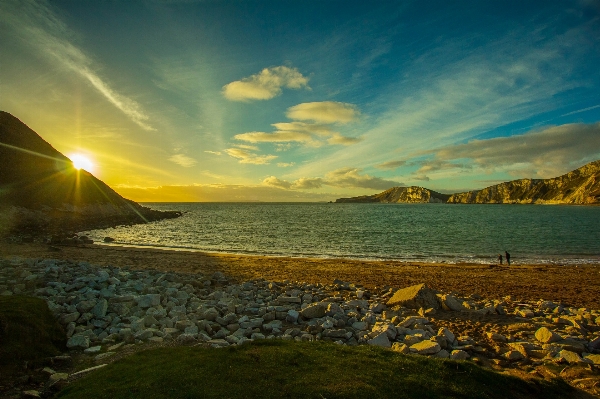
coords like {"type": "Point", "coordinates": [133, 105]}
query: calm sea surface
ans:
{"type": "Point", "coordinates": [424, 232]}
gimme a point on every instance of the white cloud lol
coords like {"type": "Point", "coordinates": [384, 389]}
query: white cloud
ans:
{"type": "Point", "coordinates": [183, 160]}
{"type": "Point", "coordinates": [248, 157]}
{"type": "Point", "coordinates": [311, 128]}
{"type": "Point", "coordinates": [545, 153]}
{"type": "Point", "coordinates": [324, 112]}
{"type": "Point", "coordinates": [265, 85]}
{"type": "Point", "coordinates": [213, 152]}
{"type": "Point", "coordinates": [351, 177]}
{"type": "Point", "coordinates": [286, 164]}
{"type": "Point", "coordinates": [344, 177]}
{"type": "Point", "coordinates": [41, 29]}
{"type": "Point", "coordinates": [263, 137]}
{"type": "Point", "coordinates": [247, 147]}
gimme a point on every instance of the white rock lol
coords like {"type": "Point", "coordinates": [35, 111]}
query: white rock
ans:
{"type": "Point", "coordinates": [425, 348]}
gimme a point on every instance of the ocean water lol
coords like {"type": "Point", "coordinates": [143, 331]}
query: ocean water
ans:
{"type": "Point", "coordinates": [422, 232]}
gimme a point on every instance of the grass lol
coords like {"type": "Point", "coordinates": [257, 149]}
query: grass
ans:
{"type": "Point", "coordinates": [28, 331]}
{"type": "Point", "coordinates": [282, 369]}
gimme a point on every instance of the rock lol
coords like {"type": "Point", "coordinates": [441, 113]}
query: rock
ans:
{"type": "Point", "coordinates": [288, 299]}
{"type": "Point", "coordinates": [412, 339]}
{"type": "Point", "coordinates": [414, 297]}
{"type": "Point", "coordinates": [443, 354]}
{"type": "Point", "coordinates": [99, 310]}
{"type": "Point", "coordinates": [459, 354]}
{"type": "Point", "coordinates": [425, 348]}
{"type": "Point", "coordinates": [594, 344]}
{"type": "Point", "coordinates": [314, 311]}
{"type": "Point", "coordinates": [143, 335]}
{"type": "Point", "coordinates": [380, 340]}
{"type": "Point", "coordinates": [450, 337]}
{"type": "Point", "coordinates": [56, 377]}
{"type": "Point", "coordinates": [594, 359]}
{"type": "Point", "coordinates": [387, 328]}
{"type": "Point", "coordinates": [210, 314]}
{"type": "Point", "coordinates": [31, 394]}
{"type": "Point", "coordinates": [78, 341]}
{"type": "Point", "coordinates": [292, 316]}
{"type": "Point", "coordinates": [148, 300]}
{"type": "Point", "coordinates": [449, 302]}
{"type": "Point", "coordinates": [546, 336]}
{"type": "Point", "coordinates": [496, 337]}
{"type": "Point", "coordinates": [514, 355]}
{"type": "Point", "coordinates": [92, 349]}
{"type": "Point", "coordinates": [70, 318]}
{"type": "Point", "coordinates": [359, 325]}
{"type": "Point", "coordinates": [570, 357]}
{"type": "Point", "coordinates": [401, 348]}
{"type": "Point", "coordinates": [186, 338]}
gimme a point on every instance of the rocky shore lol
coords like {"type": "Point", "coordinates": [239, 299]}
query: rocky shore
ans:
{"type": "Point", "coordinates": [108, 310]}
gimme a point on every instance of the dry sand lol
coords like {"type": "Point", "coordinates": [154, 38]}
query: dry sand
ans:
{"type": "Point", "coordinates": [574, 285]}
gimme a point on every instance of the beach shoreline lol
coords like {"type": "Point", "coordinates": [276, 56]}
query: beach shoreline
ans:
{"type": "Point", "coordinates": [574, 285]}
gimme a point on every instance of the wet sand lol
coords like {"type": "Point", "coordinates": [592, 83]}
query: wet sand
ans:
{"type": "Point", "coordinates": [574, 285]}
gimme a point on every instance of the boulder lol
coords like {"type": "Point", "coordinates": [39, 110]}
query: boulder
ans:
{"type": "Point", "coordinates": [514, 355]}
{"type": "Point", "coordinates": [570, 357]}
{"type": "Point", "coordinates": [459, 354]}
{"type": "Point", "coordinates": [387, 328]}
{"type": "Point", "coordinates": [449, 302]}
{"type": "Point", "coordinates": [292, 316]}
{"type": "Point", "coordinates": [314, 311]}
{"type": "Point", "coordinates": [425, 348]}
{"type": "Point", "coordinates": [99, 310]}
{"type": "Point", "coordinates": [401, 348]}
{"type": "Point", "coordinates": [546, 336]}
{"type": "Point", "coordinates": [78, 341]}
{"type": "Point", "coordinates": [380, 340]}
{"type": "Point", "coordinates": [148, 301]}
{"type": "Point", "coordinates": [414, 297]}
{"type": "Point", "coordinates": [594, 359]}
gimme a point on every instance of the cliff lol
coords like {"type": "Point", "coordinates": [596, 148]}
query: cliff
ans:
{"type": "Point", "coordinates": [41, 191]}
{"type": "Point", "coordinates": [411, 194]}
{"type": "Point", "coordinates": [580, 186]}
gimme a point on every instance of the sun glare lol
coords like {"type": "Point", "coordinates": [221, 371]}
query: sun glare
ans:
{"type": "Point", "coordinates": [82, 162]}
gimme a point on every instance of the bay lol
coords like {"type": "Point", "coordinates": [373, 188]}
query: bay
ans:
{"type": "Point", "coordinates": [410, 232]}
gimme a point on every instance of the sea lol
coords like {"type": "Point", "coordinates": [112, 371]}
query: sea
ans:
{"type": "Point", "coordinates": [451, 233]}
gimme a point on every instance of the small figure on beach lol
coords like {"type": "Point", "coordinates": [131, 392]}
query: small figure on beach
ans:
{"type": "Point", "coordinates": [507, 256]}
{"type": "Point", "coordinates": [500, 258]}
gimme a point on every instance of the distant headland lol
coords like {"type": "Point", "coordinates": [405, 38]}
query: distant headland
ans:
{"type": "Point", "coordinates": [578, 187]}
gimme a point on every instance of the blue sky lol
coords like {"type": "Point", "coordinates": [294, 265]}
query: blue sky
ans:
{"type": "Point", "coordinates": [306, 101]}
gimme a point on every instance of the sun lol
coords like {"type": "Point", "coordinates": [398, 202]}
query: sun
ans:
{"type": "Point", "coordinates": [82, 162]}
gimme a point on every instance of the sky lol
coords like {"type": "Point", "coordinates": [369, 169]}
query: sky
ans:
{"type": "Point", "coordinates": [182, 100]}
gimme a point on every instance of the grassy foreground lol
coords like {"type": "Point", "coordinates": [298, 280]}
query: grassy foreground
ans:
{"type": "Point", "coordinates": [28, 331]}
{"type": "Point", "coordinates": [280, 369]}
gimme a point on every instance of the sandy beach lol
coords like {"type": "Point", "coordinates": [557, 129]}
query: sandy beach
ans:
{"type": "Point", "coordinates": [574, 285]}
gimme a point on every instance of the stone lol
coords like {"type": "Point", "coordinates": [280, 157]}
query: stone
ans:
{"type": "Point", "coordinates": [210, 314]}
{"type": "Point", "coordinates": [314, 311]}
{"type": "Point", "coordinates": [425, 348]}
{"type": "Point", "coordinates": [388, 328]}
{"type": "Point", "coordinates": [401, 348]}
{"type": "Point", "coordinates": [496, 337]}
{"type": "Point", "coordinates": [594, 344]}
{"type": "Point", "coordinates": [31, 394]}
{"type": "Point", "coordinates": [414, 297]}
{"type": "Point", "coordinates": [78, 341]}
{"type": "Point", "coordinates": [450, 337]}
{"type": "Point", "coordinates": [288, 299]}
{"type": "Point", "coordinates": [449, 302]}
{"type": "Point", "coordinates": [56, 377]}
{"type": "Point", "coordinates": [143, 335]}
{"type": "Point", "coordinates": [443, 354]}
{"type": "Point", "coordinates": [459, 354]}
{"type": "Point", "coordinates": [570, 357]}
{"type": "Point", "coordinates": [99, 310]}
{"type": "Point", "coordinates": [70, 317]}
{"type": "Point", "coordinates": [359, 325]}
{"type": "Point", "coordinates": [148, 300]}
{"type": "Point", "coordinates": [380, 340]}
{"type": "Point", "coordinates": [514, 355]}
{"type": "Point", "coordinates": [292, 316]}
{"type": "Point", "coordinates": [92, 349]}
{"type": "Point", "coordinates": [594, 359]}
{"type": "Point", "coordinates": [546, 336]}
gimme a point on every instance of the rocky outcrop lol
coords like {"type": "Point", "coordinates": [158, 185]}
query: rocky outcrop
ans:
{"type": "Point", "coordinates": [413, 194]}
{"type": "Point", "coordinates": [41, 191]}
{"type": "Point", "coordinates": [581, 187]}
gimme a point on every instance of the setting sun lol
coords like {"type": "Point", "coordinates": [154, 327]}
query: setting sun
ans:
{"type": "Point", "coordinates": [82, 162]}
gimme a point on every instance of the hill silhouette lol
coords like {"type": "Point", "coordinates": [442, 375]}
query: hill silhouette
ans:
{"type": "Point", "coordinates": [49, 193]}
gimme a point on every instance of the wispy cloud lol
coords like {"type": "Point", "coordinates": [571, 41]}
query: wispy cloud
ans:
{"type": "Point", "coordinates": [582, 110]}
{"type": "Point", "coordinates": [324, 112]}
{"type": "Point", "coordinates": [390, 165]}
{"type": "Point", "coordinates": [40, 28]}
{"type": "Point", "coordinates": [183, 160]}
{"type": "Point", "coordinates": [286, 164]}
{"type": "Point", "coordinates": [265, 85]}
{"type": "Point", "coordinates": [213, 152]}
{"type": "Point", "coordinates": [248, 157]}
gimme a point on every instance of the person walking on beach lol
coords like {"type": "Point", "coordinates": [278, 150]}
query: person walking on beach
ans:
{"type": "Point", "coordinates": [500, 258]}
{"type": "Point", "coordinates": [507, 256]}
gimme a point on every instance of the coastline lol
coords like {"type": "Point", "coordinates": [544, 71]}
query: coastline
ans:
{"type": "Point", "coordinates": [576, 285]}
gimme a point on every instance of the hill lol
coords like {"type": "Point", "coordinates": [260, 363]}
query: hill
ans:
{"type": "Point", "coordinates": [580, 187]}
{"type": "Point", "coordinates": [411, 194]}
{"type": "Point", "coordinates": [41, 191]}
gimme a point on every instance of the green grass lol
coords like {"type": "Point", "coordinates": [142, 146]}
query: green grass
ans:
{"type": "Point", "coordinates": [280, 369]}
{"type": "Point", "coordinates": [28, 331]}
